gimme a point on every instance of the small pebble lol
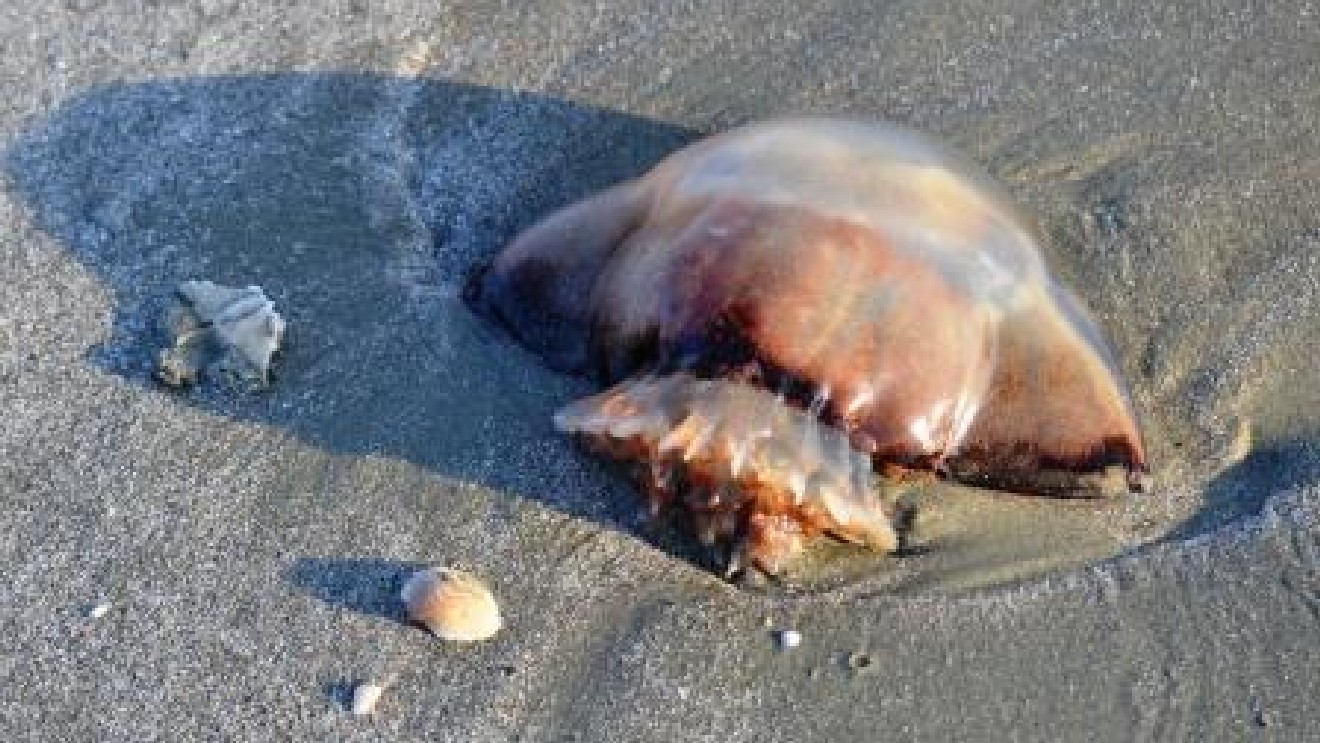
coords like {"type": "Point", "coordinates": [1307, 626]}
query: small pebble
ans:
{"type": "Point", "coordinates": [859, 662]}
{"type": "Point", "coordinates": [1259, 715]}
{"type": "Point", "coordinates": [100, 610]}
{"type": "Point", "coordinates": [789, 639]}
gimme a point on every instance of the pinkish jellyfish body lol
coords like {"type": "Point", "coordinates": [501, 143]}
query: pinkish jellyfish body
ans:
{"type": "Point", "coordinates": [788, 307]}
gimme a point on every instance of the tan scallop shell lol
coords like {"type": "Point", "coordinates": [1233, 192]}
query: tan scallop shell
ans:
{"type": "Point", "coordinates": [454, 605]}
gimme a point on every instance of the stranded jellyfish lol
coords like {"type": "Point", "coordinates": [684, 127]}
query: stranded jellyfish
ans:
{"type": "Point", "coordinates": [785, 311]}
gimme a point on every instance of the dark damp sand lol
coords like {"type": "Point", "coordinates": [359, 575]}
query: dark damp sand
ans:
{"type": "Point", "coordinates": [250, 547]}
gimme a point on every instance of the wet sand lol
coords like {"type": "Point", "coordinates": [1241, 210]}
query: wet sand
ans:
{"type": "Point", "coordinates": [356, 161]}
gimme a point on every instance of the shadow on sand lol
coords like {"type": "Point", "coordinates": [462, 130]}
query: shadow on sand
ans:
{"type": "Point", "coordinates": [368, 586]}
{"type": "Point", "coordinates": [360, 203]}
{"type": "Point", "coordinates": [1242, 491]}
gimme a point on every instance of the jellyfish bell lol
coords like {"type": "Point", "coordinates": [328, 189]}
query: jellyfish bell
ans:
{"type": "Point", "coordinates": [813, 300]}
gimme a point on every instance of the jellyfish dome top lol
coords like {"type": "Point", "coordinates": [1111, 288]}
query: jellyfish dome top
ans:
{"type": "Point", "coordinates": [784, 311]}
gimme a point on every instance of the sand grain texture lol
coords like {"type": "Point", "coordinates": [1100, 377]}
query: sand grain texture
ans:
{"type": "Point", "coordinates": [356, 159]}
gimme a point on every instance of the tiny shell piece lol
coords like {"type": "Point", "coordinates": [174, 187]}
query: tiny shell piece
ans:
{"type": "Point", "coordinates": [100, 610]}
{"type": "Point", "coordinates": [859, 662]}
{"type": "Point", "coordinates": [365, 698]}
{"type": "Point", "coordinates": [454, 605]}
{"type": "Point", "coordinates": [789, 639]}
{"type": "Point", "coordinates": [191, 341]}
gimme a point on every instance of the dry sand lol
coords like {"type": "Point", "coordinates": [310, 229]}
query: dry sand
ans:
{"type": "Point", "coordinates": [356, 158]}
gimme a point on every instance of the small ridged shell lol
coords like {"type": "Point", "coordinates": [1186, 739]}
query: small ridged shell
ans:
{"type": "Point", "coordinates": [454, 605]}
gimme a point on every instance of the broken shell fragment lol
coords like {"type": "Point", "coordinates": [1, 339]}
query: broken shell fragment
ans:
{"type": "Point", "coordinates": [191, 343]}
{"type": "Point", "coordinates": [859, 662]}
{"type": "Point", "coordinates": [233, 333]}
{"type": "Point", "coordinates": [365, 698]}
{"type": "Point", "coordinates": [454, 605]}
{"type": "Point", "coordinates": [244, 322]}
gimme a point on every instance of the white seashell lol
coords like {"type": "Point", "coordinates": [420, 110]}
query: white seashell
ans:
{"type": "Point", "coordinates": [365, 698]}
{"type": "Point", "coordinates": [789, 639]}
{"type": "Point", "coordinates": [243, 321]}
{"type": "Point", "coordinates": [100, 610]}
{"type": "Point", "coordinates": [454, 605]}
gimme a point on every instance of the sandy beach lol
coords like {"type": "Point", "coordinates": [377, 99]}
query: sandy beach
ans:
{"type": "Point", "coordinates": [207, 564]}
